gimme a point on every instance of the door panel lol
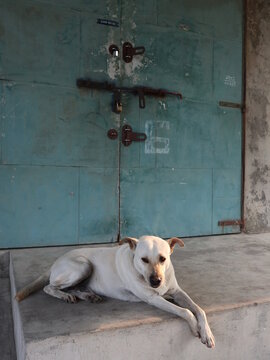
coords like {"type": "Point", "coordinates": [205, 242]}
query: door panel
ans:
{"type": "Point", "coordinates": [98, 203]}
{"type": "Point", "coordinates": [38, 205]}
{"type": "Point", "coordinates": [187, 175]}
{"type": "Point", "coordinates": [39, 43]}
{"type": "Point", "coordinates": [96, 62]}
{"type": "Point", "coordinates": [198, 16]}
{"type": "Point", "coordinates": [59, 171]}
{"type": "Point", "coordinates": [48, 125]}
{"type": "Point", "coordinates": [187, 120]}
{"type": "Point", "coordinates": [166, 201]}
{"type": "Point", "coordinates": [176, 60]}
{"type": "Point", "coordinates": [228, 70]}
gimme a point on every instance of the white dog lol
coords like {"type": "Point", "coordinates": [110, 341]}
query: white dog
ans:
{"type": "Point", "coordinates": [140, 270]}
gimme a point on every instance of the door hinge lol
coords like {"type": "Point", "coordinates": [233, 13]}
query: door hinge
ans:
{"type": "Point", "coordinates": [232, 105]}
{"type": "Point", "coordinates": [237, 222]}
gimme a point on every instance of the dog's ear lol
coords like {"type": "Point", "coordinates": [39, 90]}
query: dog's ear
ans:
{"type": "Point", "coordinates": [173, 241]}
{"type": "Point", "coordinates": [131, 241]}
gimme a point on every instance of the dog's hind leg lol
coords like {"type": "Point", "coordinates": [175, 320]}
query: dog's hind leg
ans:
{"type": "Point", "coordinates": [86, 294]}
{"type": "Point", "coordinates": [66, 273]}
{"type": "Point", "coordinates": [54, 291]}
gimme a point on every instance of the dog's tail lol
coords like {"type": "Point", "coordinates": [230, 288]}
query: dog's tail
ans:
{"type": "Point", "coordinates": [33, 286]}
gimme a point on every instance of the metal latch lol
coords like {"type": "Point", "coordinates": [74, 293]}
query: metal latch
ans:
{"type": "Point", "coordinates": [129, 51]}
{"type": "Point", "coordinates": [141, 91]}
{"type": "Point", "coordinates": [232, 105]}
{"type": "Point", "coordinates": [128, 136]}
{"type": "Point", "coordinates": [234, 222]}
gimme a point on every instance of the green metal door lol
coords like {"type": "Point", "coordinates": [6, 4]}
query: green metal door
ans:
{"type": "Point", "coordinates": [60, 174]}
{"type": "Point", "coordinates": [59, 171]}
{"type": "Point", "coordinates": [187, 176]}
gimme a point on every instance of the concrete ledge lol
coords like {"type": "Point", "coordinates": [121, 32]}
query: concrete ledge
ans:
{"type": "Point", "coordinates": [17, 321]}
{"type": "Point", "coordinates": [227, 275]}
{"type": "Point", "coordinates": [7, 344]}
{"type": "Point", "coordinates": [241, 335]}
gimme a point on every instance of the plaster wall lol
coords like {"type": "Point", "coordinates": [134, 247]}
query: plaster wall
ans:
{"type": "Point", "coordinates": [257, 172]}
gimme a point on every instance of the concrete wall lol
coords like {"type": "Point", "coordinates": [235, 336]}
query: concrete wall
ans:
{"type": "Point", "coordinates": [257, 178]}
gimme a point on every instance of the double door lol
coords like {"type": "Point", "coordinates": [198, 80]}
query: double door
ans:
{"type": "Point", "coordinates": [63, 180]}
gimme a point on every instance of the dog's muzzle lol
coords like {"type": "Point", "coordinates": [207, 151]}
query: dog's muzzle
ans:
{"type": "Point", "coordinates": [155, 281]}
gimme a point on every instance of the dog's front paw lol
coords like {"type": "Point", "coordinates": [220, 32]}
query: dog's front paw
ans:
{"type": "Point", "coordinates": [206, 335]}
{"type": "Point", "coordinates": [193, 324]}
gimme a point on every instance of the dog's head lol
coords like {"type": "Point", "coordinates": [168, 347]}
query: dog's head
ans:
{"type": "Point", "coordinates": [152, 257]}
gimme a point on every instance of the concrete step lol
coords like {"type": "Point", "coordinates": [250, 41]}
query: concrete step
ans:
{"type": "Point", "coordinates": [226, 275]}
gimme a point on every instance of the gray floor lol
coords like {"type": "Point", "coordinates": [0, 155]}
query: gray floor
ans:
{"type": "Point", "coordinates": [7, 345]}
{"type": "Point", "coordinates": [222, 272]}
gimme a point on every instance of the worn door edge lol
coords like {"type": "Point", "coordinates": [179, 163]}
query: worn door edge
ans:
{"type": "Point", "coordinates": [244, 83]}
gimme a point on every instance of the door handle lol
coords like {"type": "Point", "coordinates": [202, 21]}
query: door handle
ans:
{"type": "Point", "coordinates": [128, 136]}
{"type": "Point", "coordinates": [129, 51]}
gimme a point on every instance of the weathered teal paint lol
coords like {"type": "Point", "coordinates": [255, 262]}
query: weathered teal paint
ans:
{"type": "Point", "coordinates": [53, 125]}
{"type": "Point", "coordinates": [59, 173]}
{"type": "Point", "coordinates": [187, 176]}
{"type": "Point", "coordinates": [166, 201]}
{"type": "Point", "coordinates": [39, 205]}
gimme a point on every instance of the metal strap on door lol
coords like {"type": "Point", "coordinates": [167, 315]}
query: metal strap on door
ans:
{"type": "Point", "coordinates": [128, 136]}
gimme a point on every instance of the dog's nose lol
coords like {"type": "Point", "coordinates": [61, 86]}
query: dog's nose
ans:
{"type": "Point", "coordinates": [155, 281]}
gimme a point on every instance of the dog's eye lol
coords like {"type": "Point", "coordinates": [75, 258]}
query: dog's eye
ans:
{"type": "Point", "coordinates": [145, 260]}
{"type": "Point", "coordinates": [162, 259]}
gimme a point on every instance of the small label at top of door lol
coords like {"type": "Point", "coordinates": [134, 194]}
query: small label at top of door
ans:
{"type": "Point", "coordinates": [108, 22]}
